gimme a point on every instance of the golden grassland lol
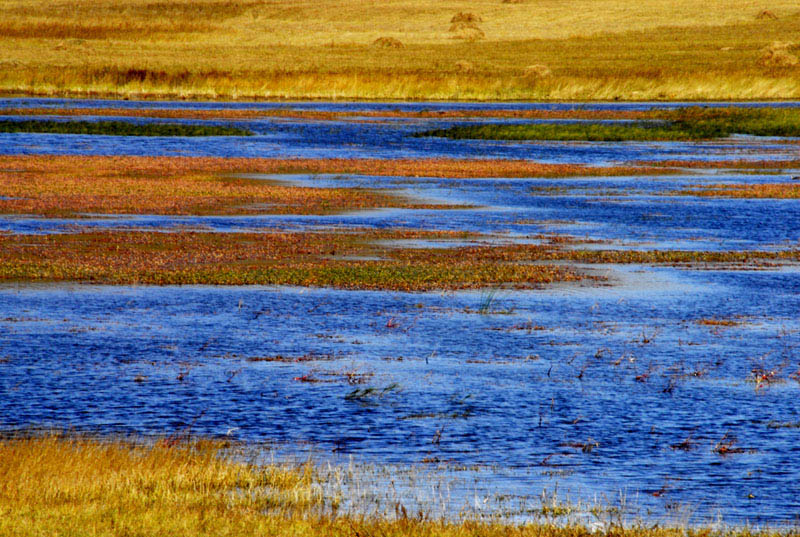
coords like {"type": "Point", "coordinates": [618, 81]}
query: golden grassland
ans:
{"type": "Point", "coordinates": [69, 185]}
{"type": "Point", "coordinates": [548, 49]}
{"type": "Point", "coordinates": [356, 259]}
{"type": "Point", "coordinates": [78, 486]}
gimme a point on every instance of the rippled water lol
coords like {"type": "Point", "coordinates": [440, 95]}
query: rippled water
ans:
{"type": "Point", "coordinates": [598, 390]}
{"type": "Point", "coordinates": [352, 138]}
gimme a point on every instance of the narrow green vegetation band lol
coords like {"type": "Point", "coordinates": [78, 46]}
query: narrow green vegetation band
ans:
{"type": "Point", "coordinates": [119, 128]}
{"type": "Point", "coordinates": [686, 124]}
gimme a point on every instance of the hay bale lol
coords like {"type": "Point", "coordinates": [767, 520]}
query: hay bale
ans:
{"type": "Point", "coordinates": [537, 71]}
{"type": "Point", "coordinates": [459, 26]}
{"type": "Point", "coordinates": [387, 42]}
{"type": "Point", "coordinates": [468, 33]}
{"type": "Point", "coordinates": [463, 66]}
{"type": "Point", "coordinates": [766, 14]}
{"type": "Point", "coordinates": [462, 16]}
{"type": "Point", "coordinates": [778, 54]}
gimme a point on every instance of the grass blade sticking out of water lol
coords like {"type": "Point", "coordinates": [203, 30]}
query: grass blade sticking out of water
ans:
{"type": "Point", "coordinates": [119, 128]}
{"type": "Point", "coordinates": [686, 124]}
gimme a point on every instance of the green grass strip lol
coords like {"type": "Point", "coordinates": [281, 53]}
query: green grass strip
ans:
{"type": "Point", "coordinates": [118, 128]}
{"type": "Point", "coordinates": [686, 124]}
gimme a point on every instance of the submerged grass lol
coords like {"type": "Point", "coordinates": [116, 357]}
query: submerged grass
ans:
{"type": "Point", "coordinates": [118, 128]}
{"type": "Point", "coordinates": [80, 486]}
{"type": "Point", "coordinates": [695, 123]}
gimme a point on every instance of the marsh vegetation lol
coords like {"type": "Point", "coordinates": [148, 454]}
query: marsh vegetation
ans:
{"type": "Point", "coordinates": [118, 128]}
{"type": "Point", "coordinates": [688, 124]}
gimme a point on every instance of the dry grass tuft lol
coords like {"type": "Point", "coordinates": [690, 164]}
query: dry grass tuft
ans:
{"type": "Point", "coordinates": [462, 16]}
{"type": "Point", "coordinates": [463, 66]}
{"type": "Point", "coordinates": [778, 54]}
{"type": "Point", "coordinates": [387, 42]}
{"type": "Point", "coordinates": [537, 71]}
{"type": "Point", "coordinates": [766, 14]}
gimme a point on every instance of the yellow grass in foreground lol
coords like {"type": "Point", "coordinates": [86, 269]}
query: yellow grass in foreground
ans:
{"type": "Point", "coordinates": [59, 486]}
{"type": "Point", "coordinates": [543, 49]}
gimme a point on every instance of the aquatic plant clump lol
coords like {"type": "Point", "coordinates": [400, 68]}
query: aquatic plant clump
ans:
{"type": "Point", "coordinates": [118, 128]}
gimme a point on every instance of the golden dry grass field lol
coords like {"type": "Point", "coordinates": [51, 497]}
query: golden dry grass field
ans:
{"type": "Point", "coordinates": [73, 486]}
{"type": "Point", "coordinates": [495, 49]}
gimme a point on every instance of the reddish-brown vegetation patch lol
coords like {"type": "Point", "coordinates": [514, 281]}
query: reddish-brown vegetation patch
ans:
{"type": "Point", "coordinates": [66, 185]}
{"type": "Point", "coordinates": [59, 186]}
{"type": "Point", "coordinates": [307, 259]}
{"type": "Point", "coordinates": [358, 260]}
{"type": "Point", "coordinates": [764, 190]}
{"type": "Point", "coordinates": [291, 113]}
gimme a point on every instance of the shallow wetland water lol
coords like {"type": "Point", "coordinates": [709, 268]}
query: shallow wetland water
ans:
{"type": "Point", "coordinates": [670, 390]}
